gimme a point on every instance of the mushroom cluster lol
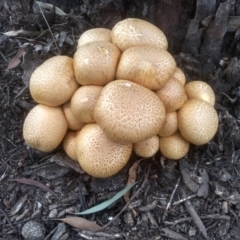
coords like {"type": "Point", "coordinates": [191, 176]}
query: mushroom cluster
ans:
{"type": "Point", "coordinates": [121, 92]}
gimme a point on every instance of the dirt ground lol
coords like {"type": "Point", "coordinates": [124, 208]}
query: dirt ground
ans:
{"type": "Point", "coordinates": [197, 197]}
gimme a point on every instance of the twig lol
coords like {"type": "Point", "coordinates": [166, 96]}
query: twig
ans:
{"type": "Point", "coordinates": [7, 218]}
{"type": "Point", "coordinates": [54, 40]}
{"type": "Point", "coordinates": [171, 198]}
{"type": "Point", "coordinates": [131, 199]}
{"type": "Point", "coordinates": [184, 199]}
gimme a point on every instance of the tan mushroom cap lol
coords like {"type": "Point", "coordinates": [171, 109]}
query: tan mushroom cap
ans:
{"type": "Point", "coordinates": [70, 144]}
{"type": "Point", "coordinates": [148, 66]}
{"type": "Point", "coordinates": [93, 35]}
{"type": "Point", "coordinates": [95, 63]}
{"type": "Point", "coordinates": [172, 95]}
{"type": "Point", "coordinates": [128, 112]}
{"type": "Point", "coordinates": [200, 90]}
{"type": "Point", "coordinates": [44, 127]}
{"type": "Point", "coordinates": [99, 156]}
{"type": "Point", "coordinates": [170, 125]}
{"type": "Point", "coordinates": [73, 122]}
{"type": "Point", "coordinates": [197, 121]}
{"type": "Point", "coordinates": [147, 148]}
{"type": "Point", "coordinates": [135, 32]}
{"type": "Point", "coordinates": [174, 146]}
{"type": "Point", "coordinates": [53, 82]}
{"type": "Point", "coordinates": [83, 102]}
{"type": "Point", "coordinates": [180, 76]}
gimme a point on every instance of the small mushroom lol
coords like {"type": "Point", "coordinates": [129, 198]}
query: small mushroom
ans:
{"type": "Point", "coordinates": [197, 121]}
{"type": "Point", "coordinates": [180, 76]}
{"type": "Point", "coordinates": [70, 144]}
{"type": "Point", "coordinates": [99, 156]}
{"type": "Point", "coordinates": [83, 102]}
{"type": "Point", "coordinates": [148, 66]}
{"type": "Point", "coordinates": [53, 82]}
{"type": "Point", "coordinates": [147, 148]}
{"type": "Point", "coordinates": [172, 95]}
{"type": "Point", "coordinates": [73, 122]}
{"type": "Point", "coordinates": [170, 125]}
{"type": "Point", "coordinates": [200, 90]}
{"type": "Point", "coordinates": [135, 32]}
{"type": "Point", "coordinates": [95, 63]}
{"type": "Point", "coordinates": [128, 112]}
{"type": "Point", "coordinates": [93, 35]}
{"type": "Point", "coordinates": [174, 146]}
{"type": "Point", "coordinates": [44, 127]}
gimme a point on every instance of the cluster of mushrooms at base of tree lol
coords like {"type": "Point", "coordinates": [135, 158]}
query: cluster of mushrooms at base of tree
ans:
{"type": "Point", "coordinates": [121, 92]}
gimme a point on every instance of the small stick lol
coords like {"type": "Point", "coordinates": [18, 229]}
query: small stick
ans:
{"type": "Point", "coordinates": [7, 218]}
{"type": "Point", "coordinates": [171, 198]}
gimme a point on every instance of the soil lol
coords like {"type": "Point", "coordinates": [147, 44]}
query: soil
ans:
{"type": "Point", "coordinates": [197, 197]}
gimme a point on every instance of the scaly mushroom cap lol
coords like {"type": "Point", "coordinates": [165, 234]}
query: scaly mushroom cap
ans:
{"type": "Point", "coordinates": [135, 32]}
{"type": "Point", "coordinates": [128, 112]}
{"type": "Point", "coordinates": [73, 122]}
{"type": "Point", "coordinates": [174, 146]}
{"type": "Point", "coordinates": [200, 90]}
{"type": "Point", "coordinates": [180, 76]}
{"type": "Point", "coordinates": [93, 35]}
{"type": "Point", "coordinates": [197, 121]}
{"type": "Point", "coordinates": [95, 63]}
{"type": "Point", "coordinates": [83, 102]}
{"type": "Point", "coordinates": [172, 95]}
{"type": "Point", "coordinates": [70, 144]}
{"type": "Point", "coordinates": [44, 127]}
{"type": "Point", "coordinates": [170, 125]}
{"type": "Point", "coordinates": [147, 148]}
{"type": "Point", "coordinates": [53, 83]}
{"type": "Point", "coordinates": [148, 66]}
{"type": "Point", "coordinates": [99, 156]}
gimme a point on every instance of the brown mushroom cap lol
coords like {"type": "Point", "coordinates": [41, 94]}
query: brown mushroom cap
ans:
{"type": "Point", "coordinates": [95, 63]}
{"type": "Point", "coordinates": [147, 148]}
{"type": "Point", "coordinates": [200, 90]}
{"type": "Point", "coordinates": [180, 76]}
{"type": "Point", "coordinates": [70, 144]}
{"type": "Point", "coordinates": [172, 95]}
{"type": "Point", "coordinates": [197, 121]}
{"type": "Point", "coordinates": [170, 125]}
{"type": "Point", "coordinates": [83, 102]}
{"type": "Point", "coordinates": [128, 112]}
{"type": "Point", "coordinates": [44, 127]}
{"type": "Point", "coordinates": [148, 66]}
{"type": "Point", "coordinates": [135, 32]}
{"type": "Point", "coordinates": [73, 122]}
{"type": "Point", "coordinates": [53, 83]}
{"type": "Point", "coordinates": [174, 146]}
{"type": "Point", "coordinates": [99, 156]}
{"type": "Point", "coordinates": [93, 35]}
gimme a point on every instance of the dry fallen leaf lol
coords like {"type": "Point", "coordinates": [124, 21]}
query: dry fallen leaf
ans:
{"type": "Point", "coordinates": [80, 223]}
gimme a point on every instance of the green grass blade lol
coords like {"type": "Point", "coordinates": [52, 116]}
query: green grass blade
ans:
{"type": "Point", "coordinates": [50, 6]}
{"type": "Point", "coordinates": [108, 202]}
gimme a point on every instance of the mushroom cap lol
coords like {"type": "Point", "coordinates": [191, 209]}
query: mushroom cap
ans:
{"type": "Point", "coordinates": [172, 95]}
{"type": "Point", "coordinates": [93, 35]}
{"type": "Point", "coordinates": [148, 66]}
{"type": "Point", "coordinates": [174, 146]}
{"type": "Point", "coordinates": [53, 82]}
{"type": "Point", "coordinates": [73, 122]}
{"type": "Point", "coordinates": [99, 156]}
{"type": "Point", "coordinates": [147, 148]}
{"type": "Point", "coordinates": [170, 125]}
{"type": "Point", "coordinates": [197, 121]}
{"type": "Point", "coordinates": [83, 102]}
{"type": "Point", "coordinates": [128, 112]}
{"type": "Point", "coordinates": [70, 144]}
{"type": "Point", "coordinates": [95, 63]}
{"type": "Point", "coordinates": [135, 32]}
{"type": "Point", "coordinates": [44, 127]}
{"type": "Point", "coordinates": [180, 76]}
{"type": "Point", "coordinates": [200, 90]}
